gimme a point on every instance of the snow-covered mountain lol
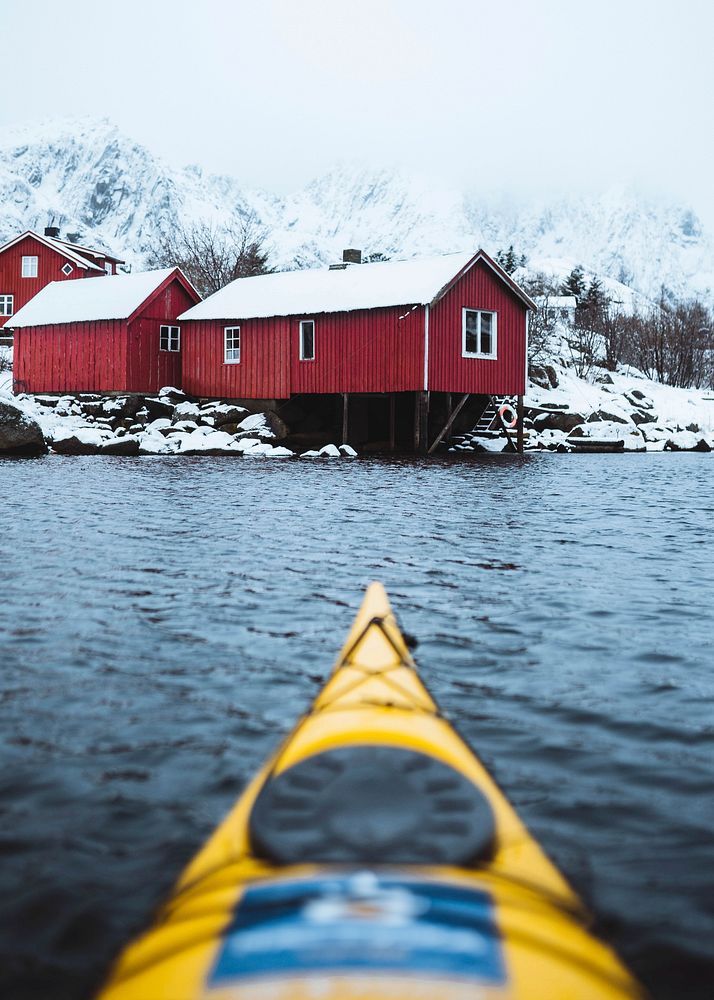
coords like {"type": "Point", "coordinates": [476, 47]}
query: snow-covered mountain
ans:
{"type": "Point", "coordinates": [89, 178]}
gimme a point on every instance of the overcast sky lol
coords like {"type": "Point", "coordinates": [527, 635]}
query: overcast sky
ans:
{"type": "Point", "coordinates": [517, 96]}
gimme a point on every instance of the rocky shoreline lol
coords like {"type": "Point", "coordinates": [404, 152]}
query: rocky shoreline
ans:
{"type": "Point", "coordinates": [168, 423]}
{"type": "Point", "coordinates": [608, 412]}
{"type": "Point", "coordinates": [620, 411]}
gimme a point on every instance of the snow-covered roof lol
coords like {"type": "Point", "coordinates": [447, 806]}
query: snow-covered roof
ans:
{"type": "Point", "coordinates": [62, 248]}
{"type": "Point", "coordinates": [87, 251]}
{"type": "Point", "coordinates": [111, 297]}
{"type": "Point", "coordinates": [356, 286]}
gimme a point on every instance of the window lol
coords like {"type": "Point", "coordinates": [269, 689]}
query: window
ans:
{"type": "Point", "coordinates": [108, 267]}
{"type": "Point", "coordinates": [67, 269]}
{"type": "Point", "coordinates": [307, 340]}
{"type": "Point", "coordinates": [231, 345]}
{"type": "Point", "coordinates": [6, 305]}
{"type": "Point", "coordinates": [479, 334]}
{"type": "Point", "coordinates": [170, 338]}
{"type": "Point", "coordinates": [29, 267]}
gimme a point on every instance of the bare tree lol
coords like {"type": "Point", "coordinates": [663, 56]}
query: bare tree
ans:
{"type": "Point", "coordinates": [542, 321]}
{"type": "Point", "coordinates": [210, 256]}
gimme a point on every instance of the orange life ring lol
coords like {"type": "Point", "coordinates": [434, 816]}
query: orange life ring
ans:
{"type": "Point", "coordinates": [503, 410]}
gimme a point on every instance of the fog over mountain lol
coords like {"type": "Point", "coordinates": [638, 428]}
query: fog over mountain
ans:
{"type": "Point", "coordinates": [90, 179]}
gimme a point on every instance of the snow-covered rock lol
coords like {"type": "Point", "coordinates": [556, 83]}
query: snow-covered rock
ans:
{"type": "Point", "coordinates": [20, 434]}
{"type": "Point", "coordinates": [686, 441]}
{"type": "Point", "coordinates": [329, 451]}
{"type": "Point", "coordinates": [215, 442]}
{"type": "Point", "coordinates": [186, 411]}
{"type": "Point", "coordinates": [348, 451]}
{"type": "Point", "coordinates": [79, 440]}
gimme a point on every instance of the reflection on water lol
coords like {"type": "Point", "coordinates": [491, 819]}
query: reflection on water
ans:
{"type": "Point", "coordinates": [164, 620]}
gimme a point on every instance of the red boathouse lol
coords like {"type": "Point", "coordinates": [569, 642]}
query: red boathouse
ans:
{"type": "Point", "coordinates": [394, 341]}
{"type": "Point", "coordinates": [30, 261]}
{"type": "Point", "coordinates": [115, 335]}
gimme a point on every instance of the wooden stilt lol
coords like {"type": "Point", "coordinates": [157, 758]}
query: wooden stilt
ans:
{"type": "Point", "coordinates": [519, 425]}
{"type": "Point", "coordinates": [345, 417]}
{"type": "Point", "coordinates": [417, 422]}
{"type": "Point", "coordinates": [447, 426]}
{"type": "Point", "coordinates": [392, 422]}
{"type": "Point", "coordinates": [423, 422]}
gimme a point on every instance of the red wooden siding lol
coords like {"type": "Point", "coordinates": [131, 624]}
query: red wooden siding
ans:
{"type": "Point", "coordinates": [263, 371]}
{"type": "Point", "coordinates": [49, 268]}
{"type": "Point", "coordinates": [77, 357]}
{"type": "Point", "coordinates": [148, 368]}
{"type": "Point", "coordinates": [364, 351]}
{"type": "Point", "coordinates": [103, 355]}
{"type": "Point", "coordinates": [479, 288]}
{"type": "Point", "coordinates": [368, 350]}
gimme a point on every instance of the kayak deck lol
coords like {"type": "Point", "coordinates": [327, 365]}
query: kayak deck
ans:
{"type": "Point", "coordinates": [319, 882]}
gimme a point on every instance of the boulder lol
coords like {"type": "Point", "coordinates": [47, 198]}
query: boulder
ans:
{"type": "Point", "coordinates": [67, 406]}
{"type": "Point", "coordinates": [605, 378]}
{"type": "Point", "coordinates": [128, 445]}
{"type": "Point", "coordinates": [20, 434]}
{"type": "Point", "coordinates": [694, 428]}
{"type": "Point", "coordinates": [79, 440]}
{"type": "Point", "coordinates": [348, 451]}
{"type": "Point", "coordinates": [92, 407]}
{"type": "Point", "coordinates": [256, 425]}
{"type": "Point", "coordinates": [225, 413]}
{"type": "Point", "coordinates": [172, 395]}
{"type": "Point", "coordinates": [552, 375]}
{"type": "Point", "coordinates": [560, 420]}
{"type": "Point", "coordinates": [637, 398]}
{"type": "Point", "coordinates": [278, 426]}
{"type": "Point", "coordinates": [50, 401]}
{"type": "Point", "coordinates": [186, 411]}
{"type": "Point", "coordinates": [159, 408]}
{"type": "Point", "coordinates": [644, 417]}
{"type": "Point", "coordinates": [215, 443]}
{"type": "Point", "coordinates": [539, 376]}
{"type": "Point", "coordinates": [611, 416]}
{"type": "Point", "coordinates": [686, 441]}
{"type": "Point", "coordinates": [248, 443]}
{"type": "Point", "coordinates": [329, 451]}
{"type": "Point", "coordinates": [122, 406]}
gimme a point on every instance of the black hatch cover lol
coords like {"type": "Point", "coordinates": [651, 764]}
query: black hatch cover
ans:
{"type": "Point", "coordinates": [371, 804]}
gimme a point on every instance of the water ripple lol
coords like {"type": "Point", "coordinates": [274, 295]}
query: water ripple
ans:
{"type": "Point", "coordinates": [164, 621]}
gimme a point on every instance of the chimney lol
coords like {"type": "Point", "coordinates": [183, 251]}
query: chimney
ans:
{"type": "Point", "coordinates": [351, 256]}
{"type": "Point", "coordinates": [52, 231]}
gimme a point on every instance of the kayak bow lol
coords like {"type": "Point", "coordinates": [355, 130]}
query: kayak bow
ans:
{"type": "Point", "coordinates": [372, 857]}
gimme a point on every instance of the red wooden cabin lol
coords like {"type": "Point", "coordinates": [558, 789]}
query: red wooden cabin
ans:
{"type": "Point", "coordinates": [30, 261]}
{"type": "Point", "coordinates": [456, 323]}
{"type": "Point", "coordinates": [116, 335]}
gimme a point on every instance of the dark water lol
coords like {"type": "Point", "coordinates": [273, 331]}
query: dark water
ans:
{"type": "Point", "coordinates": [163, 621]}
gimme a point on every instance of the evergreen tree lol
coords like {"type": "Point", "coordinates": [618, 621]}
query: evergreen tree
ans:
{"type": "Point", "coordinates": [574, 284]}
{"type": "Point", "coordinates": [509, 259]}
{"type": "Point", "coordinates": [594, 295]}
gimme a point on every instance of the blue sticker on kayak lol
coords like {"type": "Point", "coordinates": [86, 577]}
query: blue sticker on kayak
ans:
{"type": "Point", "coordinates": [361, 922]}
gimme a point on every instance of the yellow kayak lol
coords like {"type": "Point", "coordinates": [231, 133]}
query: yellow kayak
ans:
{"type": "Point", "coordinates": [372, 857]}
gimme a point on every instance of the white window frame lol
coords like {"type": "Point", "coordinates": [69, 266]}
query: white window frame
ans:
{"type": "Point", "coordinates": [29, 266]}
{"type": "Point", "coordinates": [303, 323]}
{"type": "Point", "coordinates": [231, 334]}
{"type": "Point", "coordinates": [7, 305]}
{"type": "Point", "coordinates": [493, 355]}
{"type": "Point", "coordinates": [172, 338]}
{"type": "Point", "coordinates": [67, 269]}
